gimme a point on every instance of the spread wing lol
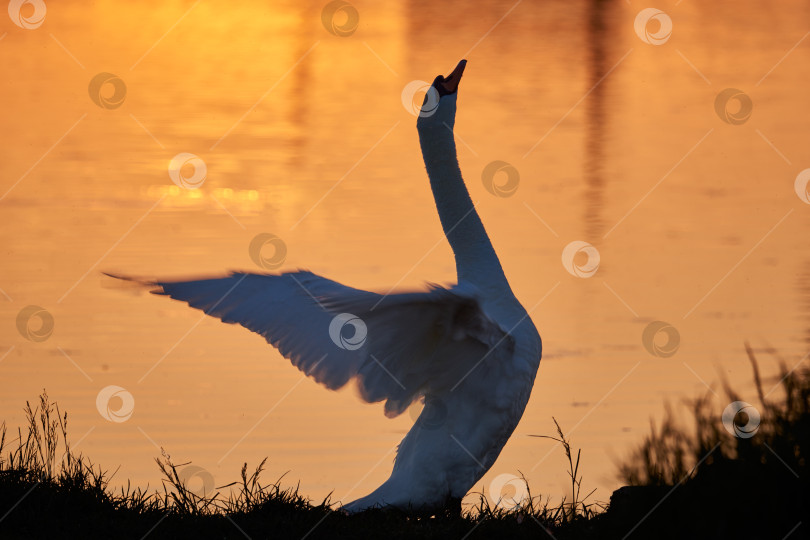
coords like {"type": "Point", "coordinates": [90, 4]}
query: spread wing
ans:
{"type": "Point", "coordinates": [397, 347]}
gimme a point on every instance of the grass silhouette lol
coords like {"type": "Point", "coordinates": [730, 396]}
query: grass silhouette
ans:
{"type": "Point", "coordinates": [46, 489]}
{"type": "Point", "coordinates": [721, 481]}
{"type": "Point", "coordinates": [698, 481]}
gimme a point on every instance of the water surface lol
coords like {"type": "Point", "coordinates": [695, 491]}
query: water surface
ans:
{"type": "Point", "coordinates": [304, 135]}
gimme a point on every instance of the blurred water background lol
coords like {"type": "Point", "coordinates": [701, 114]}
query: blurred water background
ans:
{"type": "Point", "coordinates": [617, 143]}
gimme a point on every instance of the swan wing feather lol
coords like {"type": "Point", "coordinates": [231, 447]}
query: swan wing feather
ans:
{"type": "Point", "coordinates": [402, 345]}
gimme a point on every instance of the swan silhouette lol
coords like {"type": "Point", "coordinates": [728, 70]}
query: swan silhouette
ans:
{"type": "Point", "coordinates": [470, 352]}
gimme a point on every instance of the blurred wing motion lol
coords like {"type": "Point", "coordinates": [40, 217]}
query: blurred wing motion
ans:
{"type": "Point", "coordinates": [397, 347]}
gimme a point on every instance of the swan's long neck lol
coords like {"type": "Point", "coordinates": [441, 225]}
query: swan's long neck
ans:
{"type": "Point", "coordinates": [476, 260]}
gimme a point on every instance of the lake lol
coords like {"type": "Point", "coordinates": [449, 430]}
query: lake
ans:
{"type": "Point", "coordinates": [637, 193]}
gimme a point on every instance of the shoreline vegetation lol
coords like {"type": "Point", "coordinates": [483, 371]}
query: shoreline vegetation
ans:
{"type": "Point", "coordinates": [742, 474]}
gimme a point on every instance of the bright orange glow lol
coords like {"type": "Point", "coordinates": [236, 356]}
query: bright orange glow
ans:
{"type": "Point", "coordinates": [303, 134]}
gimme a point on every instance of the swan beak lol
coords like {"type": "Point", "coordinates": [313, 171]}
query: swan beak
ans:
{"type": "Point", "coordinates": [450, 83]}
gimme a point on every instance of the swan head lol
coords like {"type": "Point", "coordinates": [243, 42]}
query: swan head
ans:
{"type": "Point", "coordinates": [439, 106]}
{"type": "Point", "coordinates": [449, 85]}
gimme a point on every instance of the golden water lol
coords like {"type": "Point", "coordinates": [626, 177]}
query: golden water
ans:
{"type": "Point", "coordinates": [304, 135]}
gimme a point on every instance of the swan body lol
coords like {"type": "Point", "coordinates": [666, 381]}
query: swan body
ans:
{"type": "Point", "coordinates": [471, 351]}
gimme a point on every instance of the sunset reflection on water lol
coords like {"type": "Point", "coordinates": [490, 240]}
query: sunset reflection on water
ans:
{"type": "Point", "coordinates": [304, 136]}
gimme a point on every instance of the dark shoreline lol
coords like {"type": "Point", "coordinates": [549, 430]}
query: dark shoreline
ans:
{"type": "Point", "coordinates": [735, 476]}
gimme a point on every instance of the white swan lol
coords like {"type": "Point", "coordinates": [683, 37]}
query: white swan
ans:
{"type": "Point", "coordinates": [471, 351]}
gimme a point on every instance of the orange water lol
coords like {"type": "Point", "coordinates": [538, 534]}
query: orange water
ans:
{"type": "Point", "coordinates": [305, 136]}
